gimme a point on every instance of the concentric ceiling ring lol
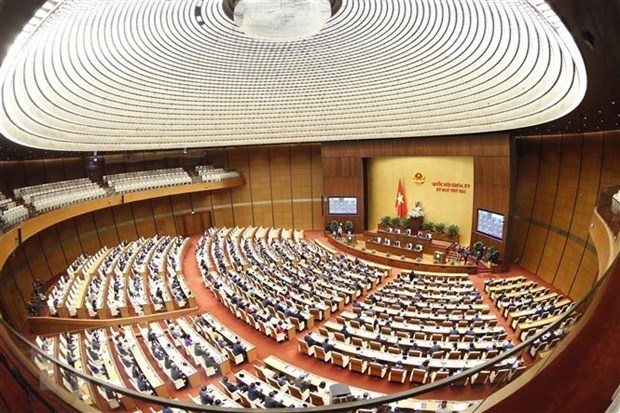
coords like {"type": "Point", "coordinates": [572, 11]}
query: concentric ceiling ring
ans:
{"type": "Point", "coordinates": [154, 74]}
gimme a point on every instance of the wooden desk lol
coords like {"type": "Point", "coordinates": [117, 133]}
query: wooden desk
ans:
{"type": "Point", "coordinates": [392, 249]}
{"type": "Point", "coordinates": [147, 369]}
{"type": "Point", "coordinates": [524, 328]}
{"type": "Point", "coordinates": [293, 372]}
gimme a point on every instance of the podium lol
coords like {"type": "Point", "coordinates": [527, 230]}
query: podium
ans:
{"type": "Point", "coordinates": [440, 257]}
{"type": "Point", "coordinates": [415, 224]}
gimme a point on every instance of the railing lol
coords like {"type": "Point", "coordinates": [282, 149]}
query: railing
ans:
{"type": "Point", "coordinates": [26, 351]}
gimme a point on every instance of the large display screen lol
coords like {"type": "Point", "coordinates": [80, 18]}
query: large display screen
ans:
{"type": "Point", "coordinates": [342, 205]}
{"type": "Point", "coordinates": [490, 223]}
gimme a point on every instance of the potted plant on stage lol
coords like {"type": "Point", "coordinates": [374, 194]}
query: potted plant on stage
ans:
{"type": "Point", "coordinates": [348, 227]}
{"type": "Point", "coordinates": [333, 227]}
{"type": "Point", "coordinates": [394, 222]}
{"type": "Point", "coordinates": [384, 223]}
{"type": "Point", "coordinates": [448, 233]}
{"type": "Point", "coordinates": [492, 258]}
{"type": "Point", "coordinates": [427, 227]}
{"type": "Point", "coordinates": [405, 222]}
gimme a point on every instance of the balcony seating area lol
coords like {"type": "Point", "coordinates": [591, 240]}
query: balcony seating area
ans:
{"type": "Point", "coordinates": [142, 180]}
{"type": "Point", "coordinates": [45, 197]}
{"type": "Point", "coordinates": [208, 173]}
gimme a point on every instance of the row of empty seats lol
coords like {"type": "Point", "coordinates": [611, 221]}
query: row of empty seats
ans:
{"type": "Point", "coordinates": [208, 173]}
{"type": "Point", "coordinates": [142, 180]}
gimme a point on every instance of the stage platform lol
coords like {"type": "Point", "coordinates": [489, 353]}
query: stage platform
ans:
{"type": "Point", "coordinates": [425, 263]}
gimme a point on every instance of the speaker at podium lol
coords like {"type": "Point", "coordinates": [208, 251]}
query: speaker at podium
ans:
{"type": "Point", "coordinates": [440, 257]}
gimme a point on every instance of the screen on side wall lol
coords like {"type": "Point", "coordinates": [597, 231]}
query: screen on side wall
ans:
{"type": "Point", "coordinates": [490, 223]}
{"type": "Point", "coordinates": [342, 205]}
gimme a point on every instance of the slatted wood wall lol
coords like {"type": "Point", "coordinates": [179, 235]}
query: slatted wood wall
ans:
{"type": "Point", "coordinates": [558, 179]}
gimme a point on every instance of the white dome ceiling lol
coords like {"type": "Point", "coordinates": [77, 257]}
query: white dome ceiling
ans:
{"type": "Point", "coordinates": [154, 74]}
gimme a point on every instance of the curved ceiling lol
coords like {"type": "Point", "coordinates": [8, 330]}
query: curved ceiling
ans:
{"type": "Point", "coordinates": [113, 75]}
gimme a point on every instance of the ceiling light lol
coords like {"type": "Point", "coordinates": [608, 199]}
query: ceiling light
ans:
{"type": "Point", "coordinates": [281, 20]}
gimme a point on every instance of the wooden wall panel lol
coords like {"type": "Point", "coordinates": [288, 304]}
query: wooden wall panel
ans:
{"type": "Point", "coordinates": [244, 215]}
{"type": "Point", "coordinates": [222, 209]}
{"type": "Point", "coordinates": [216, 157]}
{"type": "Point", "coordinates": [520, 229]}
{"type": "Point", "coordinates": [106, 228]}
{"type": "Point", "coordinates": [87, 231]}
{"type": "Point", "coordinates": [112, 168]}
{"type": "Point", "coordinates": [22, 275]}
{"type": "Point", "coordinates": [588, 185]}
{"type": "Point", "coordinates": [238, 160]}
{"type": "Point", "coordinates": [37, 261]}
{"type": "Point", "coordinates": [70, 242]}
{"type": "Point", "coordinates": [14, 176]}
{"type": "Point", "coordinates": [201, 202]}
{"type": "Point", "coordinates": [281, 186]}
{"type": "Point", "coordinates": [125, 225]}
{"type": "Point", "coordinates": [53, 170]}
{"type": "Point", "coordinates": [35, 172]}
{"type": "Point", "coordinates": [528, 154]}
{"type": "Point", "coordinates": [143, 216]}
{"type": "Point", "coordinates": [568, 182]}
{"type": "Point", "coordinates": [73, 168]}
{"type": "Point", "coordinates": [13, 304]}
{"type": "Point", "coordinates": [534, 247]}
{"type": "Point", "coordinates": [569, 265]}
{"type": "Point", "coordinates": [610, 175]}
{"type": "Point", "coordinates": [586, 275]}
{"type": "Point", "coordinates": [164, 221]}
{"type": "Point", "coordinates": [317, 188]}
{"type": "Point", "coordinates": [551, 255]}
{"type": "Point", "coordinates": [566, 194]}
{"type": "Point", "coordinates": [261, 186]}
{"type": "Point", "coordinates": [301, 194]}
{"type": "Point", "coordinates": [52, 248]}
{"type": "Point", "coordinates": [181, 204]}
{"type": "Point", "coordinates": [547, 179]}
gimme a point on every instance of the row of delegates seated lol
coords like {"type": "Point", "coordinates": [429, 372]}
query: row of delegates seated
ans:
{"type": "Point", "coordinates": [455, 294]}
{"type": "Point", "coordinates": [280, 252]}
{"type": "Point", "coordinates": [251, 309]}
{"type": "Point", "coordinates": [407, 321]}
{"type": "Point", "coordinates": [415, 368]}
{"type": "Point", "coordinates": [101, 364]}
{"type": "Point", "coordinates": [170, 360]}
{"type": "Point", "coordinates": [417, 284]}
{"type": "Point", "coordinates": [316, 388]}
{"type": "Point", "coordinates": [525, 299]}
{"type": "Point", "coordinates": [255, 392]}
{"type": "Point", "coordinates": [142, 375]}
{"type": "Point", "coordinates": [57, 297]}
{"type": "Point", "coordinates": [210, 396]}
{"type": "Point", "coordinates": [405, 344]}
{"type": "Point", "coordinates": [338, 352]}
{"type": "Point", "coordinates": [197, 346]}
{"type": "Point", "coordinates": [399, 299]}
{"type": "Point", "coordinates": [213, 329]}
{"type": "Point", "coordinates": [70, 352]}
{"type": "Point", "coordinates": [412, 315]}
